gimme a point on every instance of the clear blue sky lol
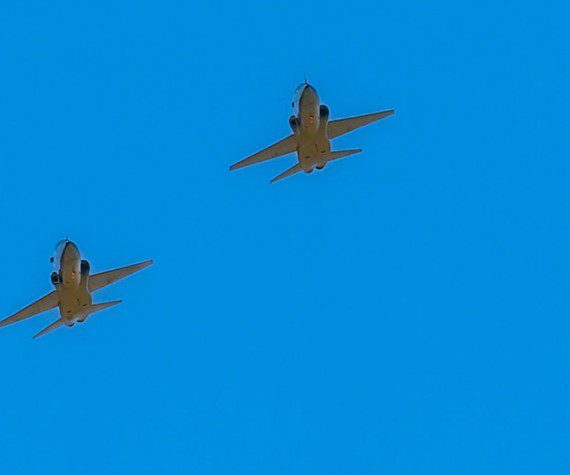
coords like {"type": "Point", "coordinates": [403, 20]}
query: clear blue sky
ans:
{"type": "Point", "coordinates": [405, 311]}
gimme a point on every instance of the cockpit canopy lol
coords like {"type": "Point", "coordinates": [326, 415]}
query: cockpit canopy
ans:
{"type": "Point", "coordinates": [298, 93]}
{"type": "Point", "coordinates": [59, 248]}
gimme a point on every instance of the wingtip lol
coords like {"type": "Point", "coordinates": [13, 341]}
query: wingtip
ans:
{"type": "Point", "coordinates": [144, 264]}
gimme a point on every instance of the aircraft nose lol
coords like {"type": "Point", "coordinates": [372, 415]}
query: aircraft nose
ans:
{"type": "Point", "coordinates": [309, 92]}
{"type": "Point", "coordinates": [70, 249]}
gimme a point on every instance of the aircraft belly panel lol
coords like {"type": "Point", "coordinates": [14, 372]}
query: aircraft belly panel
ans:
{"type": "Point", "coordinates": [73, 302]}
{"type": "Point", "coordinates": [312, 150]}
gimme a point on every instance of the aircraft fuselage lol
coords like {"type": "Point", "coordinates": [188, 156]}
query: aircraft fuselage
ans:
{"type": "Point", "coordinates": [310, 126]}
{"type": "Point", "coordinates": [312, 134]}
{"type": "Point", "coordinates": [70, 279]}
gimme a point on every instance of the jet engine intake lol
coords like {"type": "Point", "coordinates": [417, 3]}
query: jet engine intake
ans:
{"type": "Point", "coordinates": [294, 124]}
{"type": "Point", "coordinates": [55, 278]}
{"type": "Point", "coordinates": [85, 268]}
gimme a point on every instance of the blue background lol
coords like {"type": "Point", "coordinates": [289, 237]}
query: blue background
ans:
{"type": "Point", "coordinates": [404, 311]}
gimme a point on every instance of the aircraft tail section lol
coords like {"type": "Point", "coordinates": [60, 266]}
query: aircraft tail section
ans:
{"type": "Point", "coordinates": [58, 323]}
{"type": "Point", "coordinates": [291, 171]}
{"type": "Point", "coordinates": [96, 308]}
{"type": "Point", "coordinates": [101, 306]}
{"type": "Point", "coordinates": [342, 153]}
{"type": "Point", "coordinates": [88, 311]}
{"type": "Point", "coordinates": [326, 158]}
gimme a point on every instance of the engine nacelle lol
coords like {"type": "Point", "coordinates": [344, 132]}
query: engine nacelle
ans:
{"type": "Point", "coordinates": [294, 124]}
{"type": "Point", "coordinates": [323, 118]}
{"type": "Point", "coordinates": [85, 268]}
{"type": "Point", "coordinates": [55, 279]}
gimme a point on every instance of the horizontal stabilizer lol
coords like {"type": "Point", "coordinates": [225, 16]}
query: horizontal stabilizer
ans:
{"type": "Point", "coordinates": [98, 281]}
{"type": "Point", "coordinates": [48, 302]}
{"type": "Point", "coordinates": [283, 147]}
{"type": "Point", "coordinates": [86, 312]}
{"type": "Point", "coordinates": [342, 153]}
{"type": "Point", "coordinates": [291, 171]}
{"type": "Point", "coordinates": [53, 326]}
{"type": "Point", "coordinates": [340, 127]}
{"type": "Point", "coordinates": [101, 306]}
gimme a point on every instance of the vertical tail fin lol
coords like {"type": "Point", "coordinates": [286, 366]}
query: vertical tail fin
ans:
{"type": "Point", "coordinates": [291, 171]}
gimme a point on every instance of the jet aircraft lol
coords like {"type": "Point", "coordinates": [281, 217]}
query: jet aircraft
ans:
{"type": "Point", "coordinates": [73, 288]}
{"type": "Point", "coordinates": [312, 133]}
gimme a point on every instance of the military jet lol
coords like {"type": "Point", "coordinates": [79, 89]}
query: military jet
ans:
{"type": "Point", "coordinates": [73, 287]}
{"type": "Point", "coordinates": [312, 133]}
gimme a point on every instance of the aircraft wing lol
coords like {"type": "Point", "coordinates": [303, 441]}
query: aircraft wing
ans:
{"type": "Point", "coordinates": [283, 147]}
{"type": "Point", "coordinates": [44, 304]}
{"type": "Point", "coordinates": [98, 281]}
{"type": "Point", "coordinates": [343, 126]}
